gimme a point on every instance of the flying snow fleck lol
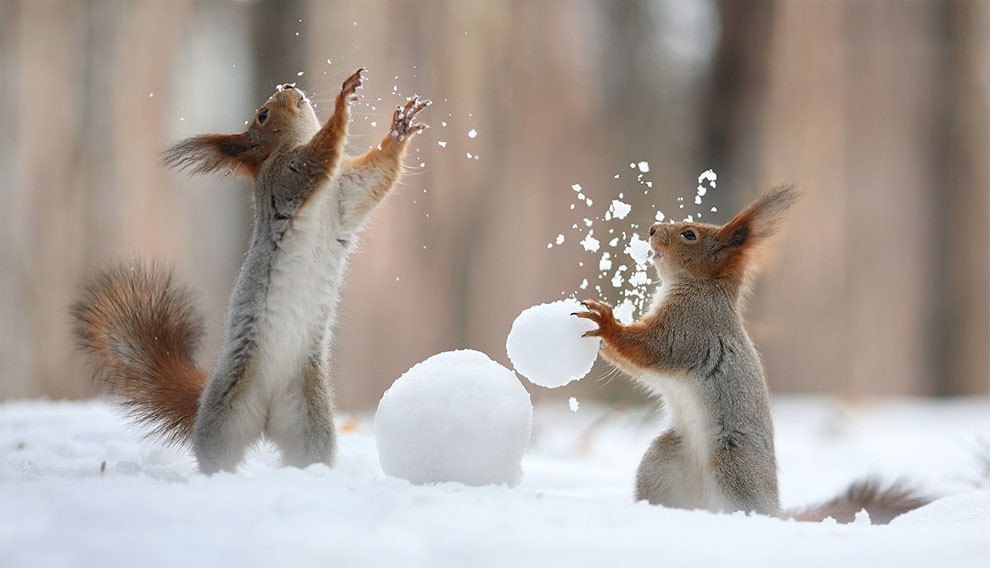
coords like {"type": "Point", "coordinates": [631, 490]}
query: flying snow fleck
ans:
{"type": "Point", "coordinates": [638, 249]}
{"type": "Point", "coordinates": [619, 210]}
{"type": "Point", "coordinates": [590, 243]}
{"type": "Point", "coordinates": [605, 263]}
{"type": "Point", "coordinates": [624, 312]}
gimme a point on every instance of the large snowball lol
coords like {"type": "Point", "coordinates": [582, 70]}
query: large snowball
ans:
{"type": "Point", "coordinates": [546, 347]}
{"type": "Point", "coordinates": [458, 416]}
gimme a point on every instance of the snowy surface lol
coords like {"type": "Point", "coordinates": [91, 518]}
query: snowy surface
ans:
{"type": "Point", "coordinates": [546, 345]}
{"type": "Point", "coordinates": [573, 508]}
{"type": "Point", "coordinates": [457, 416]}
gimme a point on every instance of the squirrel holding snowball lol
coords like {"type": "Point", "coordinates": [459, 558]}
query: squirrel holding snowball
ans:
{"type": "Point", "coordinates": [272, 377]}
{"type": "Point", "coordinates": [693, 350]}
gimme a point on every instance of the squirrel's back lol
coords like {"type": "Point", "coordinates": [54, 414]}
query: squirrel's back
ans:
{"type": "Point", "coordinates": [141, 330]}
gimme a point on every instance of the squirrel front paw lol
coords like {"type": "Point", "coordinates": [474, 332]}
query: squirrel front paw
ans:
{"type": "Point", "coordinates": [348, 90]}
{"type": "Point", "coordinates": [402, 125]}
{"type": "Point", "coordinates": [601, 314]}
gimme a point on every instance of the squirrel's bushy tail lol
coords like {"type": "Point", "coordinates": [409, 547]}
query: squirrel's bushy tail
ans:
{"type": "Point", "coordinates": [141, 331]}
{"type": "Point", "coordinates": [882, 502]}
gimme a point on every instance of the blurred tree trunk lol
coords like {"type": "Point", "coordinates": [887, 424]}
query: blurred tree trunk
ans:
{"type": "Point", "coordinates": [960, 308]}
{"type": "Point", "coordinates": [855, 90]}
{"type": "Point", "coordinates": [92, 87]}
{"type": "Point", "coordinates": [733, 106]}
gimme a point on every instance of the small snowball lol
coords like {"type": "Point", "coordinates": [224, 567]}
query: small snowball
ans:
{"type": "Point", "coordinates": [644, 167]}
{"type": "Point", "coordinates": [442, 143]}
{"type": "Point", "coordinates": [560, 239]}
{"type": "Point", "coordinates": [576, 187]}
{"type": "Point", "coordinates": [472, 133]}
{"type": "Point", "coordinates": [546, 347]}
{"type": "Point", "coordinates": [457, 416]}
{"type": "Point", "coordinates": [573, 404]}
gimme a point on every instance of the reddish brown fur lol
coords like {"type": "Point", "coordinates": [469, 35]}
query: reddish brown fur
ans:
{"type": "Point", "coordinates": [327, 145]}
{"type": "Point", "coordinates": [389, 160]}
{"type": "Point", "coordinates": [142, 331]}
{"type": "Point", "coordinates": [210, 153]}
{"type": "Point", "coordinates": [882, 503]}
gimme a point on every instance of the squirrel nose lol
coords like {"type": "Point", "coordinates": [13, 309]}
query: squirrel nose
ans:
{"type": "Point", "coordinates": [289, 86]}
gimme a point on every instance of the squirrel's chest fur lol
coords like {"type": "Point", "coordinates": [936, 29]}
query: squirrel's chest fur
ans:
{"type": "Point", "coordinates": [291, 281]}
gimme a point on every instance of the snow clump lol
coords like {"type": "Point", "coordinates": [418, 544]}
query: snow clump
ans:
{"type": "Point", "coordinates": [546, 347]}
{"type": "Point", "coordinates": [457, 416]}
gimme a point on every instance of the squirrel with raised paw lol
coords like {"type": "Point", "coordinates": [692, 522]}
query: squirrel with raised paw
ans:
{"type": "Point", "coordinates": [693, 350]}
{"type": "Point", "coordinates": [272, 376]}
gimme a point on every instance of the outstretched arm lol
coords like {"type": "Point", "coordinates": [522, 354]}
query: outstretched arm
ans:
{"type": "Point", "coordinates": [632, 348]}
{"type": "Point", "coordinates": [662, 341]}
{"type": "Point", "coordinates": [322, 155]}
{"type": "Point", "coordinates": [365, 180]}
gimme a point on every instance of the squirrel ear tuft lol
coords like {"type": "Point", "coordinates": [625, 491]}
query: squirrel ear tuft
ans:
{"type": "Point", "coordinates": [210, 153]}
{"type": "Point", "coordinates": [760, 219]}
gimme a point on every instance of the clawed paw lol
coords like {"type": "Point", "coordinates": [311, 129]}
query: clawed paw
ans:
{"type": "Point", "coordinates": [348, 90]}
{"type": "Point", "coordinates": [598, 312]}
{"type": "Point", "coordinates": [402, 119]}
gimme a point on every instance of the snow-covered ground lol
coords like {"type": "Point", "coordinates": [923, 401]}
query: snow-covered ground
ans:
{"type": "Point", "coordinates": [78, 487]}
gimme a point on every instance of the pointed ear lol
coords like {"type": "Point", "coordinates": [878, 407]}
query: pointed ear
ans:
{"type": "Point", "coordinates": [759, 220]}
{"type": "Point", "coordinates": [210, 153]}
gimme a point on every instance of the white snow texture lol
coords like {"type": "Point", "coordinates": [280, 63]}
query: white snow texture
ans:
{"type": "Point", "coordinates": [457, 416]}
{"type": "Point", "coordinates": [546, 347]}
{"type": "Point", "coordinates": [78, 487]}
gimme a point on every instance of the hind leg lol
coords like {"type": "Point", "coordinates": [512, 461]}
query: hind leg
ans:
{"type": "Point", "coordinates": [746, 478]}
{"type": "Point", "coordinates": [301, 424]}
{"type": "Point", "coordinates": [667, 477]}
{"type": "Point", "coordinates": [227, 422]}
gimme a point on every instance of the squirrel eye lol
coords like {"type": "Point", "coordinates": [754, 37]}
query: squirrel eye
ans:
{"type": "Point", "coordinates": [689, 235]}
{"type": "Point", "coordinates": [262, 116]}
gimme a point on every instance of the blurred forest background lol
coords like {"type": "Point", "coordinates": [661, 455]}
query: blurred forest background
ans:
{"type": "Point", "coordinates": [878, 110]}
